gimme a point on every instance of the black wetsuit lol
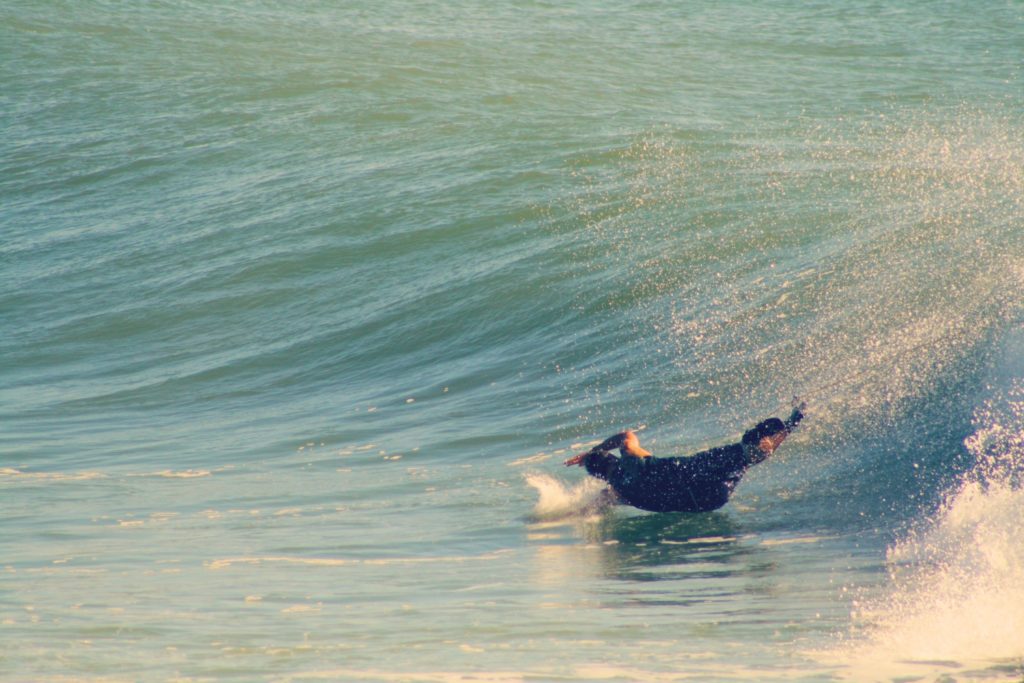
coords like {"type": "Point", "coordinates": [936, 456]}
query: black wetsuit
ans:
{"type": "Point", "coordinates": [697, 483]}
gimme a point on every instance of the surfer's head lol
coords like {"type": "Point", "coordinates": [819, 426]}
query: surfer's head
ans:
{"type": "Point", "coordinates": [767, 435]}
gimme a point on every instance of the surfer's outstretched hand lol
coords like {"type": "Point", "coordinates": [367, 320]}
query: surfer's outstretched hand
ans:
{"type": "Point", "coordinates": [798, 413]}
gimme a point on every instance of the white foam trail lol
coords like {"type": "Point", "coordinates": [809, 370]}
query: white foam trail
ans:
{"type": "Point", "coordinates": [558, 501]}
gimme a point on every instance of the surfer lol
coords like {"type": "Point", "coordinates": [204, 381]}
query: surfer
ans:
{"type": "Point", "coordinates": [697, 483]}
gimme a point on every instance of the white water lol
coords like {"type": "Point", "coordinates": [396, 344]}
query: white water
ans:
{"type": "Point", "coordinates": [955, 601]}
{"type": "Point", "coordinates": [559, 500]}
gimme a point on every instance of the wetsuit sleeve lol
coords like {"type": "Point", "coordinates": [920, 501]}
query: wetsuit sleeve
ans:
{"type": "Point", "coordinates": [600, 464]}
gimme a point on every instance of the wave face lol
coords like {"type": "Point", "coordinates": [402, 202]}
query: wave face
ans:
{"type": "Point", "coordinates": [954, 593]}
{"type": "Point", "coordinates": [303, 306]}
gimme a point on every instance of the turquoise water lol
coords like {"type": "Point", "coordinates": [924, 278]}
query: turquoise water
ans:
{"type": "Point", "coordinates": [303, 306]}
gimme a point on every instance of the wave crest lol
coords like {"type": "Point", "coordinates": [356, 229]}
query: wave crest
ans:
{"type": "Point", "coordinates": [957, 591]}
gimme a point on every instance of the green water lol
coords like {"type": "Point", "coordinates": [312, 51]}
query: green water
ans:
{"type": "Point", "coordinates": [302, 306]}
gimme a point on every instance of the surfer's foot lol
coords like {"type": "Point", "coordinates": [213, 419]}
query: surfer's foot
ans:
{"type": "Point", "coordinates": [631, 445]}
{"type": "Point", "coordinates": [576, 459]}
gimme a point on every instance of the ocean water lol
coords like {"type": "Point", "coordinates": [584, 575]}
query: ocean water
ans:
{"type": "Point", "coordinates": [303, 304]}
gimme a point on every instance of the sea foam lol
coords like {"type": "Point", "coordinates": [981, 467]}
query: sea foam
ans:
{"type": "Point", "coordinates": [558, 500]}
{"type": "Point", "coordinates": [956, 593]}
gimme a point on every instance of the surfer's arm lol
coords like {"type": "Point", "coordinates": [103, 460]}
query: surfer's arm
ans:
{"type": "Point", "coordinates": [798, 414]}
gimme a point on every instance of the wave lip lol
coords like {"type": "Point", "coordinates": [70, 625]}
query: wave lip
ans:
{"type": "Point", "coordinates": [957, 584]}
